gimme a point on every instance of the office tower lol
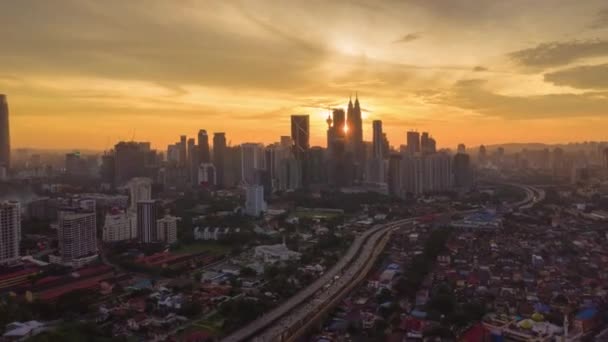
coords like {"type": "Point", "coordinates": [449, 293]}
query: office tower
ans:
{"type": "Point", "coordinates": [354, 139]}
{"type": "Point", "coordinates": [203, 147]}
{"type": "Point", "coordinates": [219, 155]}
{"type": "Point", "coordinates": [463, 173]}
{"type": "Point", "coordinates": [147, 213]}
{"type": "Point", "coordinates": [394, 174]}
{"type": "Point", "coordinates": [183, 150]}
{"type": "Point", "coordinates": [5, 139]}
{"type": "Point", "coordinates": [166, 229]}
{"type": "Point", "coordinates": [252, 158]}
{"type": "Point", "coordinates": [129, 160]}
{"type": "Point", "coordinates": [413, 142]}
{"type": "Point", "coordinates": [461, 148]}
{"type": "Point", "coordinates": [300, 135]}
{"type": "Point", "coordinates": [339, 123]}
{"type": "Point", "coordinates": [254, 202]}
{"type": "Point", "coordinates": [77, 237]}
{"type": "Point", "coordinates": [119, 225]}
{"type": "Point", "coordinates": [193, 161]}
{"type": "Point", "coordinates": [10, 231]}
{"type": "Point", "coordinates": [377, 139]}
{"type": "Point", "coordinates": [424, 142]}
{"type": "Point", "coordinates": [140, 189]}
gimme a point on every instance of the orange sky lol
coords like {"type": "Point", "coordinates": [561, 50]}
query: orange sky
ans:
{"type": "Point", "coordinates": [85, 74]}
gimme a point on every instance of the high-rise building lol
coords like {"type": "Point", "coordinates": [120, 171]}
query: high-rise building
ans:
{"type": "Point", "coordinates": [254, 202]}
{"type": "Point", "coordinates": [219, 155]}
{"type": "Point", "coordinates": [183, 150]}
{"type": "Point", "coordinates": [252, 158]}
{"type": "Point", "coordinates": [207, 174]}
{"type": "Point", "coordinates": [193, 161]}
{"type": "Point", "coordinates": [140, 189]}
{"type": "Point", "coordinates": [5, 139]}
{"type": "Point", "coordinates": [394, 175]}
{"type": "Point", "coordinates": [119, 225]}
{"type": "Point", "coordinates": [203, 147]}
{"type": "Point", "coordinates": [300, 134]}
{"type": "Point", "coordinates": [413, 142]}
{"type": "Point", "coordinates": [290, 174]}
{"type": "Point", "coordinates": [130, 160]}
{"type": "Point", "coordinates": [427, 143]}
{"type": "Point", "coordinates": [77, 237]}
{"type": "Point", "coordinates": [147, 214]}
{"type": "Point", "coordinates": [482, 156]}
{"type": "Point", "coordinates": [461, 148]}
{"type": "Point", "coordinates": [74, 165]}
{"type": "Point", "coordinates": [437, 172]}
{"type": "Point", "coordinates": [463, 173]}
{"type": "Point", "coordinates": [316, 166]}
{"type": "Point", "coordinates": [10, 231]}
{"type": "Point", "coordinates": [377, 139]}
{"type": "Point", "coordinates": [108, 169]}
{"type": "Point", "coordinates": [166, 229]}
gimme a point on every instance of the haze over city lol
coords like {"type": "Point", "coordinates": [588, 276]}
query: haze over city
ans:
{"type": "Point", "coordinates": [85, 74]}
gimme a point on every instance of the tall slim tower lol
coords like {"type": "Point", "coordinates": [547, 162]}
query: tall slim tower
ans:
{"type": "Point", "coordinates": [10, 231]}
{"type": "Point", "coordinates": [378, 139]}
{"type": "Point", "coordinates": [413, 142]}
{"type": "Point", "coordinates": [300, 134]}
{"type": "Point", "coordinates": [203, 146]}
{"type": "Point", "coordinates": [5, 141]}
{"type": "Point", "coordinates": [219, 156]}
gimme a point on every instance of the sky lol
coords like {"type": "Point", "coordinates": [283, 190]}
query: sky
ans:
{"type": "Point", "coordinates": [87, 73]}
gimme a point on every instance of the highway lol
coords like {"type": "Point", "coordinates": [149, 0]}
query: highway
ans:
{"type": "Point", "coordinates": [292, 318]}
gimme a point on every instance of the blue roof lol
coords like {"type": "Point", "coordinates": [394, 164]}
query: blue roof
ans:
{"type": "Point", "coordinates": [586, 314]}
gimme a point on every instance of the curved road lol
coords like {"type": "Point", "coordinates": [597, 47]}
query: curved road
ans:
{"type": "Point", "coordinates": [291, 313]}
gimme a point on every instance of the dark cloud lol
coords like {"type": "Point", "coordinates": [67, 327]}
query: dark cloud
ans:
{"type": "Point", "coordinates": [471, 95]}
{"type": "Point", "coordinates": [584, 77]}
{"type": "Point", "coordinates": [601, 19]}
{"type": "Point", "coordinates": [408, 38]}
{"type": "Point", "coordinates": [480, 68]}
{"type": "Point", "coordinates": [559, 53]}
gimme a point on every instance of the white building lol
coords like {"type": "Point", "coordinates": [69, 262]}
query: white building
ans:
{"type": "Point", "coordinates": [10, 231]}
{"type": "Point", "coordinates": [254, 202]}
{"type": "Point", "coordinates": [140, 189]}
{"type": "Point", "coordinates": [275, 253]}
{"type": "Point", "coordinates": [166, 229]}
{"type": "Point", "coordinates": [119, 226]}
{"type": "Point", "coordinates": [77, 238]}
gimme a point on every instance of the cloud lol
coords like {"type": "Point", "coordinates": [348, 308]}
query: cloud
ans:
{"type": "Point", "coordinates": [601, 19]}
{"type": "Point", "coordinates": [472, 95]}
{"type": "Point", "coordinates": [583, 77]}
{"type": "Point", "coordinates": [480, 68]}
{"type": "Point", "coordinates": [408, 38]}
{"type": "Point", "coordinates": [559, 53]}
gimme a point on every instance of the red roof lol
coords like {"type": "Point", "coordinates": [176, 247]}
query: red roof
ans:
{"type": "Point", "coordinates": [475, 334]}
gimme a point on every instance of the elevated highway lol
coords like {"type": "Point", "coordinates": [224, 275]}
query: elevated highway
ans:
{"type": "Point", "coordinates": [294, 317]}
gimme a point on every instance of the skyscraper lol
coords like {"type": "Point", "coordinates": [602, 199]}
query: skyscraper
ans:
{"type": "Point", "coordinates": [254, 203]}
{"type": "Point", "coordinates": [183, 150]}
{"type": "Point", "coordinates": [10, 231]}
{"type": "Point", "coordinates": [394, 175]}
{"type": "Point", "coordinates": [203, 147]}
{"type": "Point", "coordinates": [147, 212]}
{"type": "Point", "coordinates": [377, 139]}
{"type": "Point", "coordinates": [77, 236]}
{"type": "Point", "coordinates": [193, 161]}
{"type": "Point", "coordinates": [130, 160]}
{"type": "Point", "coordinates": [252, 157]}
{"type": "Point", "coordinates": [413, 142]}
{"type": "Point", "coordinates": [300, 134]}
{"type": "Point", "coordinates": [5, 141]}
{"type": "Point", "coordinates": [463, 173]}
{"type": "Point", "coordinates": [219, 155]}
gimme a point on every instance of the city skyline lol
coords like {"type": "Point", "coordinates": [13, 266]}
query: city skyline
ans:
{"type": "Point", "coordinates": [106, 75]}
